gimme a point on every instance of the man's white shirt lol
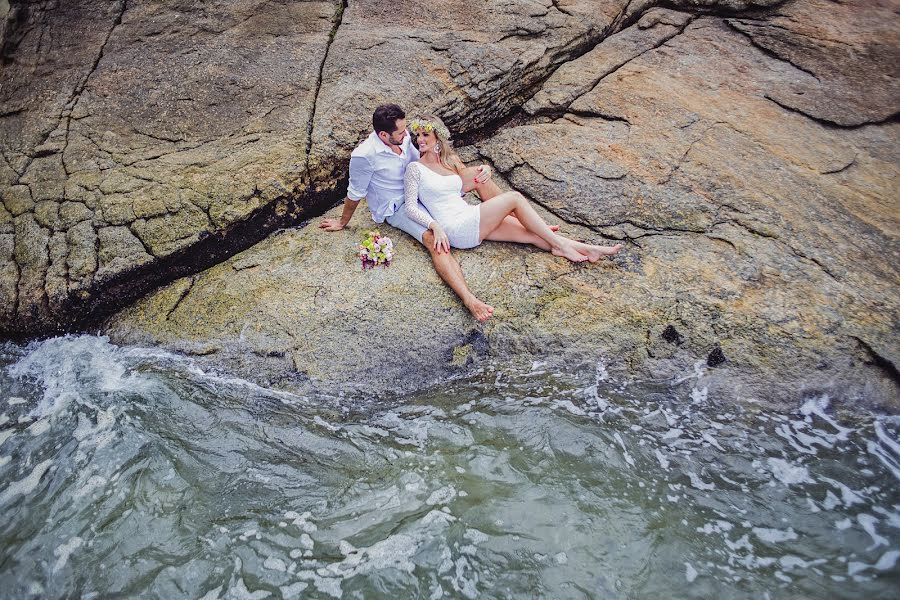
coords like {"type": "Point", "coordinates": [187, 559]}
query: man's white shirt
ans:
{"type": "Point", "coordinates": [376, 174]}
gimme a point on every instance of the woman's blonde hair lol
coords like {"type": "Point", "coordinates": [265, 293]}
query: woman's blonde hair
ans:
{"type": "Point", "coordinates": [447, 155]}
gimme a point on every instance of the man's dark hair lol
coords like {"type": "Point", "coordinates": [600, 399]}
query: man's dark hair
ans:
{"type": "Point", "coordinates": [385, 118]}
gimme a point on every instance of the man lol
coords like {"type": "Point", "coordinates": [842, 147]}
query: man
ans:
{"type": "Point", "coordinates": [377, 167]}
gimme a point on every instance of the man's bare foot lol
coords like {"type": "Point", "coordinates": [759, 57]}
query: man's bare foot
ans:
{"type": "Point", "coordinates": [481, 311]}
{"type": "Point", "coordinates": [569, 250]}
{"type": "Point", "coordinates": [595, 253]}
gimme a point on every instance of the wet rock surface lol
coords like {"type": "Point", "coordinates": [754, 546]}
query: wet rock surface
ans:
{"type": "Point", "coordinates": [727, 143]}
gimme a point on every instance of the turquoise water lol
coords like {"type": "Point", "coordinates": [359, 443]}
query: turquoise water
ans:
{"type": "Point", "coordinates": [130, 472]}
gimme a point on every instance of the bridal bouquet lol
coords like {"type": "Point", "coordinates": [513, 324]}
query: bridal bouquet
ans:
{"type": "Point", "coordinates": [376, 250]}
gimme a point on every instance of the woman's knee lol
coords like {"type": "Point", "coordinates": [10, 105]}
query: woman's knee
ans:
{"type": "Point", "coordinates": [511, 199]}
{"type": "Point", "coordinates": [518, 199]}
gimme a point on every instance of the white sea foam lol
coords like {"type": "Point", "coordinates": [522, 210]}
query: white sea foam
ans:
{"type": "Point", "coordinates": [817, 406]}
{"type": "Point", "coordinates": [708, 437]}
{"type": "Point", "coordinates": [791, 562]}
{"type": "Point", "coordinates": [64, 551]}
{"type": "Point", "coordinates": [441, 496]}
{"type": "Point", "coordinates": [848, 496]}
{"type": "Point", "coordinates": [843, 524]}
{"type": "Point", "coordinates": [699, 483]}
{"type": "Point", "coordinates": [787, 473]}
{"type": "Point", "coordinates": [673, 433]}
{"type": "Point", "coordinates": [699, 396]}
{"type": "Point", "coordinates": [885, 449]}
{"type": "Point", "coordinates": [323, 423]}
{"type": "Point", "coordinates": [6, 434]}
{"type": "Point", "coordinates": [663, 461]}
{"type": "Point", "coordinates": [628, 458]}
{"type": "Point", "coordinates": [774, 536]}
{"type": "Point", "coordinates": [275, 564]}
{"type": "Point", "coordinates": [303, 521]}
{"type": "Point", "coordinates": [27, 484]}
{"type": "Point", "coordinates": [38, 427]}
{"type": "Point", "coordinates": [93, 483]}
{"type": "Point", "coordinates": [715, 527]}
{"type": "Point", "coordinates": [568, 406]}
{"type": "Point", "coordinates": [690, 573]}
{"type": "Point", "coordinates": [601, 373]}
{"type": "Point", "coordinates": [885, 563]}
{"type": "Point", "coordinates": [868, 522]}
{"type": "Point", "coordinates": [294, 590]}
{"type": "Point", "coordinates": [70, 367]}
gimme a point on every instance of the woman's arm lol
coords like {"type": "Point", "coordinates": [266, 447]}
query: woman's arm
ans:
{"type": "Point", "coordinates": [475, 177]}
{"type": "Point", "coordinates": [411, 196]}
{"type": "Point", "coordinates": [411, 206]}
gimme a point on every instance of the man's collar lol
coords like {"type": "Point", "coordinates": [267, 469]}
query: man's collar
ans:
{"type": "Point", "coordinates": [380, 146]}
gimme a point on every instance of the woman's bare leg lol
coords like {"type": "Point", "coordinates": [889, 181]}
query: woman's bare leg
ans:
{"type": "Point", "coordinates": [449, 270]}
{"type": "Point", "coordinates": [595, 253]}
{"type": "Point", "coordinates": [488, 190]}
{"type": "Point", "coordinates": [510, 230]}
{"type": "Point", "coordinates": [513, 203]}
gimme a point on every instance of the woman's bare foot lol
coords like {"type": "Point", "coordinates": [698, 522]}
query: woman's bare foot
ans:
{"type": "Point", "coordinates": [481, 311]}
{"type": "Point", "coordinates": [568, 249]}
{"type": "Point", "coordinates": [595, 253]}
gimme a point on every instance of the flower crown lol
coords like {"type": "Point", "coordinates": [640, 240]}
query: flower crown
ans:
{"type": "Point", "coordinates": [427, 126]}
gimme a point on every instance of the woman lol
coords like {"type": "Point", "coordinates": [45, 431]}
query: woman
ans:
{"type": "Point", "coordinates": [436, 181]}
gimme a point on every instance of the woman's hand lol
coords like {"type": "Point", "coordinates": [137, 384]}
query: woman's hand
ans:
{"type": "Point", "coordinates": [441, 241]}
{"type": "Point", "coordinates": [484, 174]}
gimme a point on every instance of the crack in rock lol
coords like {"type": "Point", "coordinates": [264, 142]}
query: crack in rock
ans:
{"type": "Point", "coordinates": [340, 7]}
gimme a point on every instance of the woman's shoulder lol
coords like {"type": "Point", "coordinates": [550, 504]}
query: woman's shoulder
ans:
{"type": "Point", "coordinates": [412, 169]}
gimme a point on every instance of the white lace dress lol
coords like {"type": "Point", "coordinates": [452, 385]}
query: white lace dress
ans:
{"type": "Point", "coordinates": [442, 196]}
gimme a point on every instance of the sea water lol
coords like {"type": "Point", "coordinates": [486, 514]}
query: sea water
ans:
{"type": "Point", "coordinates": [132, 472]}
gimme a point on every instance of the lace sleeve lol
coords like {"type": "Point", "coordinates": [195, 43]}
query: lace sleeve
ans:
{"type": "Point", "coordinates": [411, 191]}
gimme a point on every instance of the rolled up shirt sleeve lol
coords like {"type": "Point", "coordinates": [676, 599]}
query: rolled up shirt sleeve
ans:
{"type": "Point", "coordinates": [360, 175]}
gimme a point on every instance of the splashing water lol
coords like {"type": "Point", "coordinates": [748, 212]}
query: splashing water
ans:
{"type": "Point", "coordinates": [133, 472]}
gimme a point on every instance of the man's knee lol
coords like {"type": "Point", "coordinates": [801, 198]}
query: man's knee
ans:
{"type": "Point", "coordinates": [428, 242]}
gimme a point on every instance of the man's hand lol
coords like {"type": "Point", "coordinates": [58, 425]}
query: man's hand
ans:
{"type": "Point", "coordinates": [331, 225]}
{"type": "Point", "coordinates": [346, 215]}
{"type": "Point", "coordinates": [484, 174]}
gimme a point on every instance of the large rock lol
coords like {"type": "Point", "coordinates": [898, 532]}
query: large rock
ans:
{"type": "Point", "coordinates": [472, 63]}
{"type": "Point", "coordinates": [173, 134]}
{"type": "Point", "coordinates": [852, 57]}
{"type": "Point", "coordinates": [757, 236]}
{"type": "Point", "coordinates": [662, 149]}
{"type": "Point", "coordinates": [754, 183]}
{"type": "Point", "coordinates": [130, 132]}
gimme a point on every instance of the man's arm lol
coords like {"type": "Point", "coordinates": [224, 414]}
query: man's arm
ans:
{"type": "Point", "coordinates": [360, 175]}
